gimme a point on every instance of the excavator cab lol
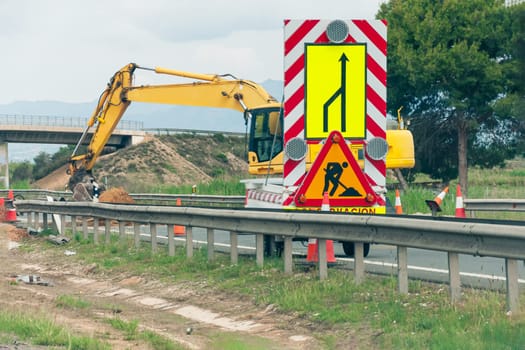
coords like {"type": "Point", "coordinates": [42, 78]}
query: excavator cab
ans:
{"type": "Point", "coordinates": [266, 140]}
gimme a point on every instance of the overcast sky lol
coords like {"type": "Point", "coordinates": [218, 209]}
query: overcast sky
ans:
{"type": "Point", "coordinates": [66, 50]}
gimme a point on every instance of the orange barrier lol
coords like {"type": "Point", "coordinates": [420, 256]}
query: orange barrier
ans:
{"type": "Point", "coordinates": [178, 229]}
{"type": "Point", "coordinates": [460, 209]}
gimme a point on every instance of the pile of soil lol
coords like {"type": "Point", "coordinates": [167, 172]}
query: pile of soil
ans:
{"type": "Point", "coordinates": [16, 234]}
{"type": "Point", "coordinates": [116, 195]}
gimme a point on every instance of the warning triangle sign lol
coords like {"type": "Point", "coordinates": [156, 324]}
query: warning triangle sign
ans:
{"type": "Point", "coordinates": [336, 171]}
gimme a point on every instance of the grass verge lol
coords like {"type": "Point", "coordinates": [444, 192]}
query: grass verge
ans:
{"type": "Point", "coordinates": [423, 319]}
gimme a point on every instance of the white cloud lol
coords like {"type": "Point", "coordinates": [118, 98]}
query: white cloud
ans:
{"type": "Point", "coordinates": [66, 50]}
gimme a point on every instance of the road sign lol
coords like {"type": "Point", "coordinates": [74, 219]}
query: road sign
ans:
{"type": "Point", "coordinates": [336, 171]}
{"type": "Point", "coordinates": [335, 86]}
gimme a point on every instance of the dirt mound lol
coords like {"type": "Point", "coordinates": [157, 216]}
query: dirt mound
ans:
{"type": "Point", "coordinates": [116, 195]}
{"type": "Point", "coordinates": [16, 234]}
{"type": "Point", "coordinates": [183, 159]}
{"type": "Point", "coordinates": [56, 181]}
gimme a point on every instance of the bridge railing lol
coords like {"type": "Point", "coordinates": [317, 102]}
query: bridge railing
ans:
{"type": "Point", "coordinates": [62, 121]}
{"type": "Point", "coordinates": [176, 131]}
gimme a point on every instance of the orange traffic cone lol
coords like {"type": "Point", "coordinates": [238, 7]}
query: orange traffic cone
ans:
{"type": "Point", "coordinates": [460, 210]}
{"type": "Point", "coordinates": [325, 204]}
{"type": "Point", "coordinates": [10, 215]}
{"type": "Point", "coordinates": [312, 253]}
{"type": "Point", "coordinates": [178, 229]}
{"type": "Point", "coordinates": [399, 208]}
{"type": "Point", "coordinates": [435, 205]}
{"type": "Point", "coordinates": [10, 209]}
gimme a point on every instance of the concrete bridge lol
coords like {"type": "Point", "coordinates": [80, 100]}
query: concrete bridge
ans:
{"type": "Point", "coordinates": [57, 130]}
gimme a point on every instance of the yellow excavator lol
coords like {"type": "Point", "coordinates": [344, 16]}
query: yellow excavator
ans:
{"type": "Point", "coordinates": [263, 111]}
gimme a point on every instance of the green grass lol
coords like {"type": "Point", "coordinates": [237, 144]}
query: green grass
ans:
{"type": "Point", "coordinates": [130, 328]}
{"type": "Point", "coordinates": [132, 332]}
{"type": "Point", "coordinates": [39, 330]}
{"type": "Point", "coordinates": [71, 302]}
{"type": "Point", "coordinates": [217, 186]}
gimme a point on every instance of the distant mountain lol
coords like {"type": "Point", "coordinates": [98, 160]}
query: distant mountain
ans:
{"type": "Point", "coordinates": [151, 115]}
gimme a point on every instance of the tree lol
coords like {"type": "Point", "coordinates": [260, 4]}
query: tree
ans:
{"type": "Point", "coordinates": [448, 62]}
{"type": "Point", "coordinates": [21, 171]}
{"type": "Point", "coordinates": [42, 165]}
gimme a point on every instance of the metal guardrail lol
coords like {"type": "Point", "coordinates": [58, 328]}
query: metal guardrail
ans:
{"type": "Point", "coordinates": [494, 204]}
{"type": "Point", "coordinates": [511, 205]}
{"type": "Point", "coordinates": [141, 198]}
{"type": "Point", "coordinates": [454, 237]}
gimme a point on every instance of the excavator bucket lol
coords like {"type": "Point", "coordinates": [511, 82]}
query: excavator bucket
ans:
{"type": "Point", "coordinates": [81, 193]}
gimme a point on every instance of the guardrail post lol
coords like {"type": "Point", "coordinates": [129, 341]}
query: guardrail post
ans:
{"type": "Point", "coordinates": [454, 277]}
{"type": "Point", "coordinates": [73, 224]}
{"type": "Point", "coordinates": [136, 234]}
{"type": "Point", "coordinates": [402, 269]}
{"type": "Point", "coordinates": [107, 230]}
{"type": "Point", "coordinates": [359, 262]}
{"type": "Point", "coordinates": [287, 255]}
{"type": "Point", "coordinates": [189, 241]}
{"type": "Point", "coordinates": [211, 243]}
{"type": "Point", "coordinates": [513, 303]}
{"type": "Point", "coordinates": [37, 220]}
{"type": "Point", "coordinates": [259, 249]}
{"type": "Point", "coordinates": [153, 235]}
{"type": "Point", "coordinates": [30, 219]}
{"type": "Point", "coordinates": [84, 227]}
{"type": "Point", "coordinates": [44, 221]}
{"type": "Point", "coordinates": [234, 250]}
{"type": "Point", "coordinates": [96, 223]}
{"type": "Point", "coordinates": [171, 240]}
{"type": "Point", "coordinates": [62, 224]}
{"type": "Point", "coordinates": [122, 229]}
{"type": "Point", "coordinates": [322, 264]}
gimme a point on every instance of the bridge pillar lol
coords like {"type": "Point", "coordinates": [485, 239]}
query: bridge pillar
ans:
{"type": "Point", "coordinates": [4, 165]}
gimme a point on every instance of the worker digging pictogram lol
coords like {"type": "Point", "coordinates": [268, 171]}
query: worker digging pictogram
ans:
{"type": "Point", "coordinates": [334, 172]}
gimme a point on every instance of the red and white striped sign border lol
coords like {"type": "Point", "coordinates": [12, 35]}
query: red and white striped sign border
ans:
{"type": "Point", "coordinates": [264, 196]}
{"type": "Point", "coordinates": [296, 34]}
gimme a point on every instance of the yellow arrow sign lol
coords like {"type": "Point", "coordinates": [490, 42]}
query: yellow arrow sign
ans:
{"type": "Point", "coordinates": [335, 90]}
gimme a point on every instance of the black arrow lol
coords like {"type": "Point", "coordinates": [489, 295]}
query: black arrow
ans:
{"type": "Point", "coordinates": [339, 93]}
